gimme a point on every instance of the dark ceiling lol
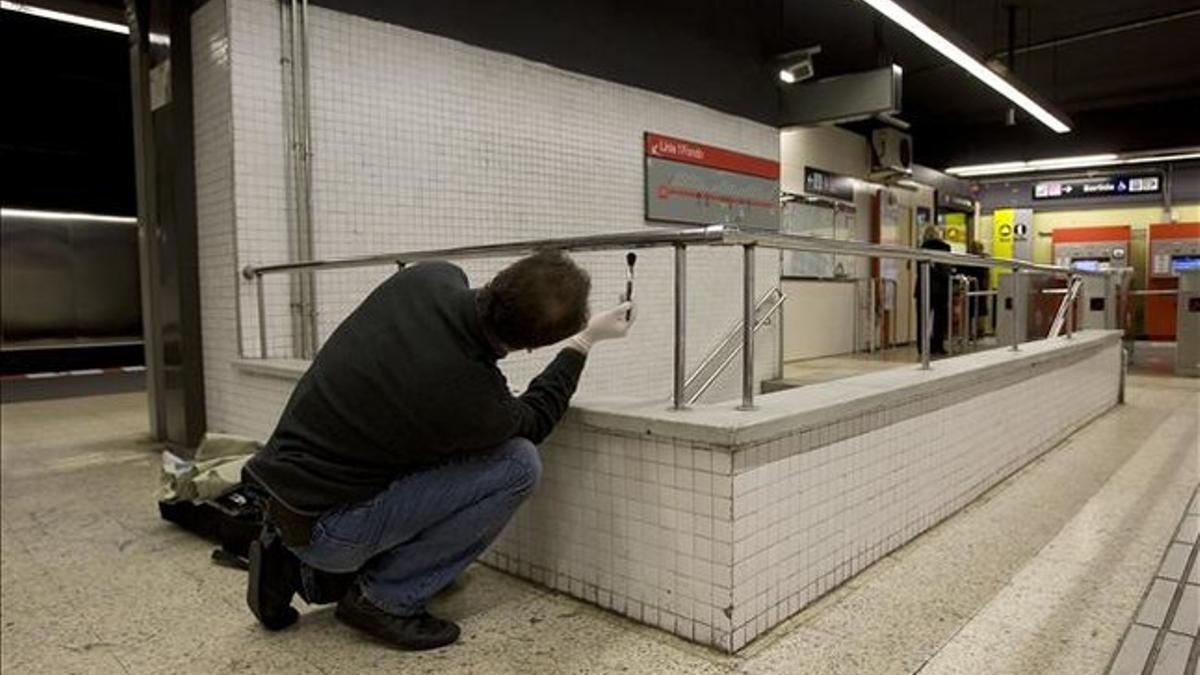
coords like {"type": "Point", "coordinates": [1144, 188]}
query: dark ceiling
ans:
{"type": "Point", "coordinates": [66, 141]}
{"type": "Point", "coordinates": [1124, 87]}
{"type": "Point", "coordinates": [67, 137]}
{"type": "Point", "coordinates": [1135, 87]}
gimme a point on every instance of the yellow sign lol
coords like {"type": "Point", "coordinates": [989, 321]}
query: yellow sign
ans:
{"type": "Point", "coordinates": [1003, 222]}
{"type": "Point", "coordinates": [956, 227]}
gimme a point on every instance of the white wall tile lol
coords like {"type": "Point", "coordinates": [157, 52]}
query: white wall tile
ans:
{"type": "Point", "coordinates": [420, 141]}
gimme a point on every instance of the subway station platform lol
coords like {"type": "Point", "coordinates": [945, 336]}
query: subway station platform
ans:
{"type": "Point", "coordinates": [1044, 573]}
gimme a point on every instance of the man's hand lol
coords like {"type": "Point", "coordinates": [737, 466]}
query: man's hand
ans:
{"type": "Point", "coordinates": [606, 325]}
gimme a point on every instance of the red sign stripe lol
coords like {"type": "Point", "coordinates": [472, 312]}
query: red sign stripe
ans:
{"type": "Point", "coordinates": [1095, 233]}
{"type": "Point", "coordinates": [689, 152]}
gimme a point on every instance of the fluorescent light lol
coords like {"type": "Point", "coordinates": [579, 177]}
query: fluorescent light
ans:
{"type": "Point", "coordinates": [1163, 158]}
{"type": "Point", "coordinates": [787, 76]}
{"type": "Point", "coordinates": [979, 169]}
{"type": "Point", "coordinates": [87, 22]}
{"type": "Point", "coordinates": [64, 215]}
{"type": "Point", "coordinates": [64, 17]}
{"type": "Point", "coordinates": [1051, 164]}
{"type": "Point", "coordinates": [1071, 162]}
{"type": "Point", "coordinates": [965, 61]}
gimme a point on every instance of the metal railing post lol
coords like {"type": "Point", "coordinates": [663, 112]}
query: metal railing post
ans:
{"type": "Point", "coordinates": [970, 311]}
{"type": "Point", "coordinates": [874, 323]}
{"type": "Point", "coordinates": [262, 316]}
{"type": "Point", "coordinates": [1071, 298]}
{"type": "Point", "coordinates": [1018, 306]}
{"type": "Point", "coordinates": [677, 401]}
{"type": "Point", "coordinates": [1124, 370]}
{"type": "Point", "coordinates": [893, 309]}
{"type": "Point", "coordinates": [949, 346]}
{"type": "Point", "coordinates": [926, 315]}
{"type": "Point", "coordinates": [747, 327]}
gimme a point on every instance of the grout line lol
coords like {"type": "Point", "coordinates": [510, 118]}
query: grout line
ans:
{"type": "Point", "coordinates": [1169, 618]}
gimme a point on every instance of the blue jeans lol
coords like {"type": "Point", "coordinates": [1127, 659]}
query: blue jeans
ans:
{"type": "Point", "coordinates": [411, 540]}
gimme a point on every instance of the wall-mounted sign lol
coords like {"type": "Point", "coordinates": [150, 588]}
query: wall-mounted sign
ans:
{"type": "Point", "coordinates": [828, 184]}
{"type": "Point", "coordinates": [1112, 186]}
{"type": "Point", "coordinates": [957, 202]}
{"type": "Point", "coordinates": [688, 182]}
{"type": "Point", "coordinates": [955, 228]}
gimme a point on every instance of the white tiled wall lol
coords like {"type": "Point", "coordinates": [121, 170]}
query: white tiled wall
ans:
{"type": "Point", "coordinates": [639, 526]}
{"type": "Point", "coordinates": [808, 521]}
{"type": "Point", "coordinates": [234, 403]}
{"type": "Point", "coordinates": [421, 141]}
{"type": "Point", "coordinates": [719, 544]}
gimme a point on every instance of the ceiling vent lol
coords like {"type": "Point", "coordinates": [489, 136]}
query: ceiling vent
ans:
{"type": "Point", "coordinates": [891, 153]}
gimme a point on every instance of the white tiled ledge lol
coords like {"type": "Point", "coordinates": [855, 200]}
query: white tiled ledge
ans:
{"type": "Point", "coordinates": [784, 412]}
{"type": "Point", "coordinates": [287, 369]}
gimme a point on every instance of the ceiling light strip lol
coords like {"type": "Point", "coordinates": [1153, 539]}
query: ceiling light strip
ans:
{"type": "Point", "coordinates": [87, 22]}
{"type": "Point", "coordinates": [972, 65]}
{"type": "Point", "coordinates": [64, 215]}
{"type": "Point", "coordinates": [1059, 163]}
{"type": "Point", "coordinates": [64, 17]}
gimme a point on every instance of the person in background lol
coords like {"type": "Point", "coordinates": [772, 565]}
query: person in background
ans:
{"type": "Point", "coordinates": [982, 276]}
{"type": "Point", "coordinates": [939, 295]}
{"type": "Point", "coordinates": [402, 453]}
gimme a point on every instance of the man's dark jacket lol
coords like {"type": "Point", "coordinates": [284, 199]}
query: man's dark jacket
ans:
{"type": "Point", "coordinates": [407, 381]}
{"type": "Point", "coordinates": [939, 275]}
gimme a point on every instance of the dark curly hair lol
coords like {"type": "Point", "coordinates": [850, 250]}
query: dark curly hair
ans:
{"type": "Point", "coordinates": [536, 301]}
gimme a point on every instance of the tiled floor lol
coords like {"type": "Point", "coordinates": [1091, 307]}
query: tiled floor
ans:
{"type": "Point", "coordinates": [1162, 637]}
{"type": "Point", "coordinates": [1040, 575]}
{"type": "Point", "coordinates": [829, 368]}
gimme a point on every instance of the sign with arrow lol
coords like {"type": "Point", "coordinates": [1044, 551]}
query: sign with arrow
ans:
{"type": "Point", "coordinates": [1109, 186]}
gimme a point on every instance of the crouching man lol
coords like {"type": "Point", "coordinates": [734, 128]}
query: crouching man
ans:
{"type": "Point", "coordinates": [402, 453]}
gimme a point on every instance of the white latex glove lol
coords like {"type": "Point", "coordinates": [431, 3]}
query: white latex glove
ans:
{"type": "Point", "coordinates": [607, 325]}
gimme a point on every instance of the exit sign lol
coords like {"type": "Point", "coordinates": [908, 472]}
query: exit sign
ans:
{"type": "Point", "coordinates": [1109, 186]}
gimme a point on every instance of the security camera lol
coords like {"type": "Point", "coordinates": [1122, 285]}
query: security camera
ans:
{"type": "Point", "coordinates": [797, 66]}
{"type": "Point", "coordinates": [801, 71]}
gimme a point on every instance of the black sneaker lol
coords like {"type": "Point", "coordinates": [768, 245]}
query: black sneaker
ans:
{"type": "Point", "coordinates": [273, 570]}
{"type": "Point", "coordinates": [421, 631]}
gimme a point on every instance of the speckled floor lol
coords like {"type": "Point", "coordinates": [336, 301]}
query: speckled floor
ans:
{"type": "Point", "coordinates": [1040, 575]}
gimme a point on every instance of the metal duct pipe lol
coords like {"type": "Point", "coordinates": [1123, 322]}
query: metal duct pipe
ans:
{"type": "Point", "coordinates": [303, 288]}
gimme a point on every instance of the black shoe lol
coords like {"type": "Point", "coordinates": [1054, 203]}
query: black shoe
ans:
{"type": "Point", "coordinates": [328, 587]}
{"type": "Point", "coordinates": [422, 631]}
{"type": "Point", "coordinates": [273, 570]}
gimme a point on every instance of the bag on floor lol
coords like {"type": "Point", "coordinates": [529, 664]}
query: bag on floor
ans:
{"type": "Point", "coordinates": [205, 496]}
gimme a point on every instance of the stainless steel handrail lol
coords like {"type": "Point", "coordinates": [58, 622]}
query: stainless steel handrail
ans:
{"type": "Point", "coordinates": [712, 235]}
{"type": "Point", "coordinates": [733, 334]}
{"type": "Point", "coordinates": [730, 336]}
{"type": "Point", "coordinates": [715, 235]}
{"type": "Point", "coordinates": [1066, 309]}
{"type": "Point", "coordinates": [766, 318]}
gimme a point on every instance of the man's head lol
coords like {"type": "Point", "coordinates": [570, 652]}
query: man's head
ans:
{"type": "Point", "coordinates": [536, 301]}
{"type": "Point", "coordinates": [931, 233]}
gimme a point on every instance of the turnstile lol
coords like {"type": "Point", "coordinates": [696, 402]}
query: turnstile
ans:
{"type": "Point", "coordinates": [1187, 325]}
{"type": "Point", "coordinates": [1099, 305]}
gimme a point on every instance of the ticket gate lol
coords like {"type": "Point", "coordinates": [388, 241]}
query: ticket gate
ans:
{"type": "Point", "coordinates": [1024, 290]}
{"type": "Point", "coordinates": [1097, 306]}
{"type": "Point", "coordinates": [1187, 321]}
{"type": "Point", "coordinates": [1092, 248]}
{"type": "Point", "coordinates": [1174, 248]}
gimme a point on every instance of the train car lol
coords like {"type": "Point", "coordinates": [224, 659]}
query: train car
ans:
{"type": "Point", "coordinates": [70, 291]}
